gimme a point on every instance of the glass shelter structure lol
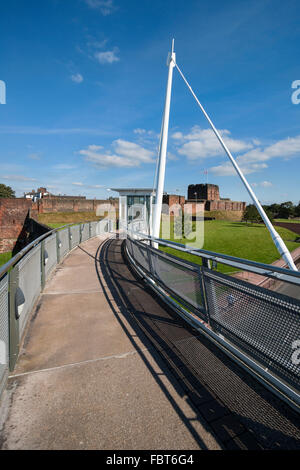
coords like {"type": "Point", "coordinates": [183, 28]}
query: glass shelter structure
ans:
{"type": "Point", "coordinates": [135, 208]}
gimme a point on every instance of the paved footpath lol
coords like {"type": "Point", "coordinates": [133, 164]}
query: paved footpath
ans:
{"type": "Point", "coordinates": [86, 380]}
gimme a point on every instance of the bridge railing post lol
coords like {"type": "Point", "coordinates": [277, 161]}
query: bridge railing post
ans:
{"type": "Point", "coordinates": [207, 264]}
{"type": "Point", "coordinates": [14, 342]}
{"type": "Point", "coordinates": [43, 265]}
{"type": "Point", "coordinates": [70, 238]}
{"type": "Point", "coordinates": [58, 245]}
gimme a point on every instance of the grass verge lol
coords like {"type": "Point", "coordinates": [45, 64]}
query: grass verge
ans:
{"type": "Point", "coordinates": [57, 219]}
{"type": "Point", "coordinates": [4, 257]}
{"type": "Point", "coordinates": [252, 242]}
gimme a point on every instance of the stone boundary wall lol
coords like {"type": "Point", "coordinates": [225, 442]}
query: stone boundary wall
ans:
{"type": "Point", "coordinates": [13, 214]}
{"type": "Point", "coordinates": [225, 205]}
{"type": "Point", "coordinates": [61, 204]}
{"type": "Point", "coordinates": [17, 216]}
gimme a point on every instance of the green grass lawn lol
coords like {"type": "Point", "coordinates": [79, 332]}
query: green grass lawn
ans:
{"type": "Point", "coordinates": [57, 219]}
{"type": "Point", "coordinates": [4, 257]}
{"type": "Point", "coordinates": [251, 241]}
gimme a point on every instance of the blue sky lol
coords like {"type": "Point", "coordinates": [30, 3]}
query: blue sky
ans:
{"type": "Point", "coordinates": [85, 87]}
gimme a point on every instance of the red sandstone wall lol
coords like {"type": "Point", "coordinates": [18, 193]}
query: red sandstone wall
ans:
{"type": "Point", "coordinates": [225, 206]}
{"type": "Point", "coordinates": [213, 192]}
{"type": "Point", "coordinates": [68, 205]}
{"type": "Point", "coordinates": [13, 213]}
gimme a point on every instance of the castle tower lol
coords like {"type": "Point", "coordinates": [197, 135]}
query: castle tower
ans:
{"type": "Point", "coordinates": [208, 192]}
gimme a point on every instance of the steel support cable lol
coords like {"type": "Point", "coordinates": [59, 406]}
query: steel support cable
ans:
{"type": "Point", "coordinates": [279, 243]}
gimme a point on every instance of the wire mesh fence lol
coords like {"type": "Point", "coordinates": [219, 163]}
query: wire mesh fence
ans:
{"type": "Point", "coordinates": [264, 325]}
{"type": "Point", "coordinates": [179, 278]}
{"type": "Point", "coordinates": [4, 331]}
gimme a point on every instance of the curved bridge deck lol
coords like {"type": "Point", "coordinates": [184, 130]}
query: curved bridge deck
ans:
{"type": "Point", "coordinates": [106, 365]}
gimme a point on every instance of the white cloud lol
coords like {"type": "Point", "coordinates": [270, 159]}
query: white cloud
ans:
{"type": "Point", "coordinates": [106, 160]}
{"type": "Point", "coordinates": [144, 132]}
{"type": "Point", "coordinates": [107, 57]}
{"type": "Point", "coordinates": [266, 184]}
{"type": "Point", "coordinates": [77, 78]}
{"type": "Point", "coordinates": [177, 136]}
{"type": "Point", "coordinates": [255, 160]}
{"type": "Point", "coordinates": [17, 178]}
{"type": "Point", "coordinates": [263, 184]}
{"type": "Point", "coordinates": [106, 7]}
{"type": "Point", "coordinates": [226, 169]}
{"type": "Point", "coordinates": [285, 148]}
{"type": "Point", "coordinates": [126, 154]}
{"type": "Point", "coordinates": [132, 150]}
{"type": "Point", "coordinates": [92, 186]}
{"type": "Point", "coordinates": [202, 143]}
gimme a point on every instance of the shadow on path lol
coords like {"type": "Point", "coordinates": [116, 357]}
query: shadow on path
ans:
{"type": "Point", "coordinates": [239, 410]}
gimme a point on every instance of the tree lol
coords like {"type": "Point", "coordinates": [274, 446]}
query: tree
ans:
{"type": "Point", "coordinates": [251, 214]}
{"type": "Point", "coordinates": [6, 191]}
{"type": "Point", "coordinates": [297, 210]}
{"type": "Point", "coordinates": [274, 208]}
{"type": "Point", "coordinates": [286, 210]}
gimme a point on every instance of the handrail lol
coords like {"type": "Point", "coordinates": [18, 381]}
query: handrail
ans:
{"type": "Point", "coordinates": [6, 267]}
{"type": "Point", "coordinates": [256, 267]}
{"type": "Point", "coordinates": [261, 369]}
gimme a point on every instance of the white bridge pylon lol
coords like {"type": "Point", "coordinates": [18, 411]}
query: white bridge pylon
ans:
{"type": "Point", "coordinates": [160, 179]}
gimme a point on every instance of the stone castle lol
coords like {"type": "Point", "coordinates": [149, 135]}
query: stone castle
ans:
{"type": "Point", "coordinates": [208, 195]}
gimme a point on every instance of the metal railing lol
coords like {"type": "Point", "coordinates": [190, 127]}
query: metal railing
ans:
{"type": "Point", "coordinates": [257, 327]}
{"type": "Point", "coordinates": [23, 278]}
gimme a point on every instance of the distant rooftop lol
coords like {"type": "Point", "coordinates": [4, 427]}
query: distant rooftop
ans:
{"type": "Point", "coordinates": [134, 190]}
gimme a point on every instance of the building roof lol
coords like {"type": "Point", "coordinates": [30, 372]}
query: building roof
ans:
{"type": "Point", "coordinates": [134, 190]}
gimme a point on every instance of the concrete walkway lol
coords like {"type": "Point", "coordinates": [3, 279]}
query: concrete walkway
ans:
{"type": "Point", "coordinates": [86, 380]}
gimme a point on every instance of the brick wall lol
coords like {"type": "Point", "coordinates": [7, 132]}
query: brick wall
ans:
{"type": "Point", "coordinates": [61, 204]}
{"type": "Point", "coordinates": [225, 206]}
{"type": "Point", "coordinates": [15, 228]}
{"type": "Point", "coordinates": [13, 213]}
{"type": "Point", "coordinates": [171, 199]}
